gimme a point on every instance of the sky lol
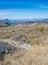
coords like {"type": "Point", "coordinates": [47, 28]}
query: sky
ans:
{"type": "Point", "coordinates": [23, 9]}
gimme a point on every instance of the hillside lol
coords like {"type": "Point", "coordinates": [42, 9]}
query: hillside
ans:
{"type": "Point", "coordinates": [5, 23]}
{"type": "Point", "coordinates": [37, 55]}
{"type": "Point", "coordinates": [30, 44]}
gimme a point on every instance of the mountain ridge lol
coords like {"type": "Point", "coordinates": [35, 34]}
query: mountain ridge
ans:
{"type": "Point", "coordinates": [7, 22]}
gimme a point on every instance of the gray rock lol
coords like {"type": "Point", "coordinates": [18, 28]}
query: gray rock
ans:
{"type": "Point", "coordinates": [18, 37]}
{"type": "Point", "coordinates": [6, 48]}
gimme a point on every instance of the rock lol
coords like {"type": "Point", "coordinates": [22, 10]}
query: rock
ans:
{"type": "Point", "coordinates": [6, 47]}
{"type": "Point", "coordinates": [18, 37]}
{"type": "Point", "coordinates": [25, 46]}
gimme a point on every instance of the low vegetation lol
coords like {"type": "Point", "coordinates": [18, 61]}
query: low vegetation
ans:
{"type": "Point", "coordinates": [37, 55]}
{"type": "Point", "coordinates": [36, 36]}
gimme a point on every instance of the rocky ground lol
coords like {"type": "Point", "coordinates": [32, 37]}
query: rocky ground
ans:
{"type": "Point", "coordinates": [24, 45]}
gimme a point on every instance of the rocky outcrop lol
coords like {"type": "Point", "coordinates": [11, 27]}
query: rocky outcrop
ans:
{"type": "Point", "coordinates": [9, 46]}
{"type": "Point", "coordinates": [6, 47]}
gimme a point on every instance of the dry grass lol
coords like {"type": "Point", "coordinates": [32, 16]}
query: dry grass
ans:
{"type": "Point", "coordinates": [37, 55]}
{"type": "Point", "coordinates": [30, 32]}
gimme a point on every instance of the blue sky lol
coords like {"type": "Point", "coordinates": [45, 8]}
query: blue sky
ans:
{"type": "Point", "coordinates": [23, 9]}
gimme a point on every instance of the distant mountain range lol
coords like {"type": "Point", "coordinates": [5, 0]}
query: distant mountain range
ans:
{"type": "Point", "coordinates": [7, 22]}
{"type": "Point", "coordinates": [30, 20]}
